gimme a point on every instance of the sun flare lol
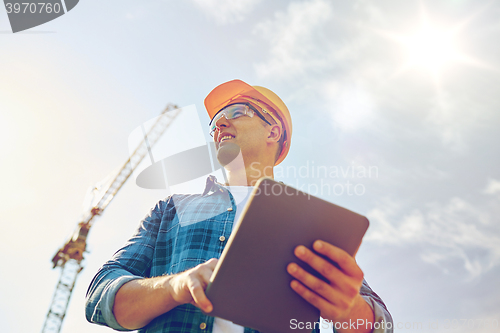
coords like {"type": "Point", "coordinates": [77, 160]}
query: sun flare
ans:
{"type": "Point", "coordinates": [431, 48]}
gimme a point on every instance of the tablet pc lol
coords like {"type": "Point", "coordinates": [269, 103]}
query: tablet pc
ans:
{"type": "Point", "coordinates": [250, 285]}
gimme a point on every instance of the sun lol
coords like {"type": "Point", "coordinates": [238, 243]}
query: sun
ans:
{"type": "Point", "coordinates": [431, 48]}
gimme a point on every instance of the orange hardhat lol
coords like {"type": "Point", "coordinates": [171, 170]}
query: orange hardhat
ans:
{"type": "Point", "coordinates": [226, 93]}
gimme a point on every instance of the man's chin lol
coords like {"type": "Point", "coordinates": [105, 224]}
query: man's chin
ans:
{"type": "Point", "coordinates": [227, 152]}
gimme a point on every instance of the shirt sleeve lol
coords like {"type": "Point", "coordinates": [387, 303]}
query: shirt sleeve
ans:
{"type": "Point", "coordinates": [131, 262]}
{"type": "Point", "coordinates": [382, 318]}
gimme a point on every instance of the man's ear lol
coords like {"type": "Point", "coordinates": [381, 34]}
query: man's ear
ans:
{"type": "Point", "coordinates": [274, 133]}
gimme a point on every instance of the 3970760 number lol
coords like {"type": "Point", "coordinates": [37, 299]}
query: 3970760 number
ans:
{"type": "Point", "coordinates": [32, 8]}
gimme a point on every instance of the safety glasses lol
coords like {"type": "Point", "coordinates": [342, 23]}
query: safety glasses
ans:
{"type": "Point", "coordinates": [235, 111]}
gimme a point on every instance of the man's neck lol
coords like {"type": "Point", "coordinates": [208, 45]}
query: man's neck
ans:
{"type": "Point", "coordinates": [239, 174]}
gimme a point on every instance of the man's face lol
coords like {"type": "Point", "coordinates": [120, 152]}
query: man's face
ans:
{"type": "Point", "coordinates": [245, 134]}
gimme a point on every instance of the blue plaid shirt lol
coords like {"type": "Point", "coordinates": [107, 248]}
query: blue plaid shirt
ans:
{"type": "Point", "coordinates": [179, 233]}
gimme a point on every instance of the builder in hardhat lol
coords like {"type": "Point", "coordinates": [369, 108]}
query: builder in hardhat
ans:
{"type": "Point", "coordinates": [255, 120]}
{"type": "Point", "coordinates": [157, 280]}
{"type": "Point", "coordinates": [251, 128]}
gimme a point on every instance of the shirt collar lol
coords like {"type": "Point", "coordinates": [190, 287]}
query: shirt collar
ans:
{"type": "Point", "coordinates": [212, 186]}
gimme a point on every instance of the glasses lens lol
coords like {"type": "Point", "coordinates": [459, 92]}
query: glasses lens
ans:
{"type": "Point", "coordinates": [230, 112]}
{"type": "Point", "coordinates": [235, 111]}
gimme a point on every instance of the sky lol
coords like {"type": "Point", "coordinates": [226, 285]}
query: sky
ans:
{"type": "Point", "coordinates": [395, 112]}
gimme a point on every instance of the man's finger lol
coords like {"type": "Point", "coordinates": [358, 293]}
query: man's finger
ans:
{"type": "Point", "coordinates": [199, 296]}
{"type": "Point", "coordinates": [204, 271]}
{"type": "Point", "coordinates": [322, 266]}
{"type": "Point", "coordinates": [319, 286]}
{"type": "Point", "coordinates": [211, 263]}
{"type": "Point", "coordinates": [317, 301]}
{"type": "Point", "coordinates": [345, 261]}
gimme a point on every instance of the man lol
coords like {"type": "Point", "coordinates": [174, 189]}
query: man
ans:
{"type": "Point", "coordinates": [157, 280]}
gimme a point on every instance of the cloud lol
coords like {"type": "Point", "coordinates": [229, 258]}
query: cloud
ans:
{"type": "Point", "coordinates": [493, 187]}
{"type": "Point", "coordinates": [450, 231]}
{"type": "Point", "coordinates": [297, 40]}
{"type": "Point", "coordinates": [319, 40]}
{"type": "Point", "coordinates": [227, 11]}
{"type": "Point", "coordinates": [351, 106]}
{"type": "Point", "coordinates": [344, 63]}
{"type": "Point", "coordinates": [455, 117]}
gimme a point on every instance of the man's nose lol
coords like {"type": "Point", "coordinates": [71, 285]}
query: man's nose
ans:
{"type": "Point", "coordinates": [222, 122]}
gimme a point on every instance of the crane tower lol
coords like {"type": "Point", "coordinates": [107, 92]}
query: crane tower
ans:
{"type": "Point", "coordinates": [70, 256]}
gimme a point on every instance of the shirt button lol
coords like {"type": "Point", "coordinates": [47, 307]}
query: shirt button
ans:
{"type": "Point", "coordinates": [203, 326]}
{"type": "Point", "coordinates": [229, 209]}
{"type": "Point", "coordinates": [222, 238]}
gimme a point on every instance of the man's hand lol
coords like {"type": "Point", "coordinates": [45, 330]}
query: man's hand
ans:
{"type": "Point", "coordinates": [339, 300]}
{"type": "Point", "coordinates": [139, 301]}
{"type": "Point", "coordinates": [189, 286]}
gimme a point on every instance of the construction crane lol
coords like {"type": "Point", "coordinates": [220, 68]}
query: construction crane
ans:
{"type": "Point", "coordinates": [70, 256]}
